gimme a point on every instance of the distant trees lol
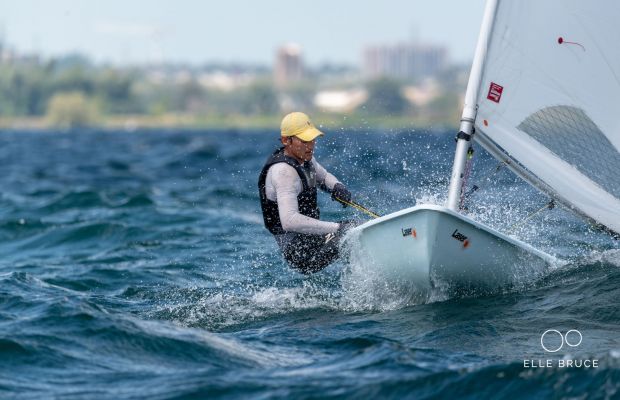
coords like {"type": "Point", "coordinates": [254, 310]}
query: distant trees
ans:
{"type": "Point", "coordinates": [72, 109]}
{"type": "Point", "coordinates": [261, 99]}
{"type": "Point", "coordinates": [27, 88]}
{"type": "Point", "coordinates": [298, 95]}
{"type": "Point", "coordinates": [71, 91]}
{"type": "Point", "coordinates": [257, 98]}
{"type": "Point", "coordinates": [23, 90]}
{"type": "Point", "coordinates": [116, 92]}
{"type": "Point", "coordinates": [385, 98]}
{"type": "Point", "coordinates": [446, 107]}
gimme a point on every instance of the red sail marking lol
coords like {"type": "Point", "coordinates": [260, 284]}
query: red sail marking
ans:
{"type": "Point", "coordinates": [562, 41]}
{"type": "Point", "coordinates": [495, 92]}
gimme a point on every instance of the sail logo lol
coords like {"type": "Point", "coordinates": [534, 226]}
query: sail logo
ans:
{"type": "Point", "coordinates": [409, 232]}
{"type": "Point", "coordinates": [495, 92]}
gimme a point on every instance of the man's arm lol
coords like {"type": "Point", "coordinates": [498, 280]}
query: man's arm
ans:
{"type": "Point", "coordinates": [329, 183]}
{"type": "Point", "coordinates": [288, 186]}
{"type": "Point", "coordinates": [324, 178]}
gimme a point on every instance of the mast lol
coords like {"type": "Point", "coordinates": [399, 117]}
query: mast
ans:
{"type": "Point", "coordinates": [468, 117]}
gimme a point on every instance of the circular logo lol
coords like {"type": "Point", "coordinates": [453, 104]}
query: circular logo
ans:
{"type": "Point", "coordinates": [549, 339]}
{"type": "Point", "coordinates": [576, 332]}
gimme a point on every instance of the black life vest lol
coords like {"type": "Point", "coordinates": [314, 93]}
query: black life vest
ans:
{"type": "Point", "coordinates": [306, 200]}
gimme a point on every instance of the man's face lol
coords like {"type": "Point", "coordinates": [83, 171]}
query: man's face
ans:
{"type": "Point", "coordinates": [299, 149]}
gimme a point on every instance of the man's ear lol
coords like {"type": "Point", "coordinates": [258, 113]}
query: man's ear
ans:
{"type": "Point", "coordinates": [285, 140]}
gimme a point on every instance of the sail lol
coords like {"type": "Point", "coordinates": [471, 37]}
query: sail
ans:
{"type": "Point", "coordinates": [549, 98]}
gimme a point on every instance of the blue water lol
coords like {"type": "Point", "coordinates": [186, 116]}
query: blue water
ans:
{"type": "Point", "coordinates": [135, 265]}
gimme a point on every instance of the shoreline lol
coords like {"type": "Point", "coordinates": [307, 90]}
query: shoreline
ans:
{"type": "Point", "coordinates": [231, 122]}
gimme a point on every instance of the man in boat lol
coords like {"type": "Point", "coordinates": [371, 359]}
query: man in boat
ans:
{"type": "Point", "coordinates": [288, 186]}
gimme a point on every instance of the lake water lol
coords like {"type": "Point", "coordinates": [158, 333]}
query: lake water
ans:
{"type": "Point", "coordinates": [136, 265]}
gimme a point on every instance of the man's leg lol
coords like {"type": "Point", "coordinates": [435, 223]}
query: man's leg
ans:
{"type": "Point", "coordinates": [310, 253]}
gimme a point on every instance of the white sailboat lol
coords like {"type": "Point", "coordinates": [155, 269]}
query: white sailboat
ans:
{"type": "Point", "coordinates": [544, 97]}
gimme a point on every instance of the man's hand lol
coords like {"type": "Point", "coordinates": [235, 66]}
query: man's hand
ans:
{"type": "Point", "coordinates": [340, 192]}
{"type": "Point", "coordinates": [345, 225]}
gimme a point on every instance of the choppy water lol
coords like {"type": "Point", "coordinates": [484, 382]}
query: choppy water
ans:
{"type": "Point", "coordinates": [135, 265]}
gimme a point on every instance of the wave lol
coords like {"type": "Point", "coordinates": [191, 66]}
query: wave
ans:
{"type": "Point", "coordinates": [94, 233]}
{"type": "Point", "coordinates": [217, 309]}
{"type": "Point", "coordinates": [74, 200]}
{"type": "Point", "coordinates": [513, 380]}
{"type": "Point", "coordinates": [62, 327]}
{"type": "Point", "coordinates": [87, 199]}
{"type": "Point", "coordinates": [222, 302]}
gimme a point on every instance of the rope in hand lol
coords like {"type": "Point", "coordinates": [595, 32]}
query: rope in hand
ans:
{"type": "Point", "coordinates": [358, 207]}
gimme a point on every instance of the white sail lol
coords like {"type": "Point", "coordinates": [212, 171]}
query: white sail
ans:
{"type": "Point", "coordinates": [549, 98]}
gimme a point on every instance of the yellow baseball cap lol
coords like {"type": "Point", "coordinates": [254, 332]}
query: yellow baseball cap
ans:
{"type": "Point", "coordinates": [298, 124]}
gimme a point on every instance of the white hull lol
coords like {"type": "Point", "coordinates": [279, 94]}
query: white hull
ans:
{"type": "Point", "coordinates": [428, 246]}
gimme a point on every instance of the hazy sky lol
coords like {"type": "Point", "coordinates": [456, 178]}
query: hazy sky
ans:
{"type": "Point", "coordinates": [137, 31]}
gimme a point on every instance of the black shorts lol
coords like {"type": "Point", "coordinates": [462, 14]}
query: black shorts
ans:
{"type": "Point", "coordinates": [309, 253]}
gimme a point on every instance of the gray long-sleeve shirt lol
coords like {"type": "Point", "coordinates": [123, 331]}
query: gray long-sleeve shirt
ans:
{"type": "Point", "coordinates": [283, 185]}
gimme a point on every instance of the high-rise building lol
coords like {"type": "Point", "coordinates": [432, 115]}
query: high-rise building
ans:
{"type": "Point", "coordinates": [409, 62]}
{"type": "Point", "coordinates": [289, 65]}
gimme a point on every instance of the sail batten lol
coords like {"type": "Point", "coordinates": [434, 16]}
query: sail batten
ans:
{"type": "Point", "coordinates": [550, 99]}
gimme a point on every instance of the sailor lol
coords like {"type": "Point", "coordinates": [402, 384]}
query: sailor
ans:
{"type": "Point", "coordinates": [288, 186]}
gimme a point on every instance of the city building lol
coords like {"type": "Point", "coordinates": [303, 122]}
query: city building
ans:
{"type": "Point", "coordinates": [288, 67]}
{"type": "Point", "coordinates": [408, 62]}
